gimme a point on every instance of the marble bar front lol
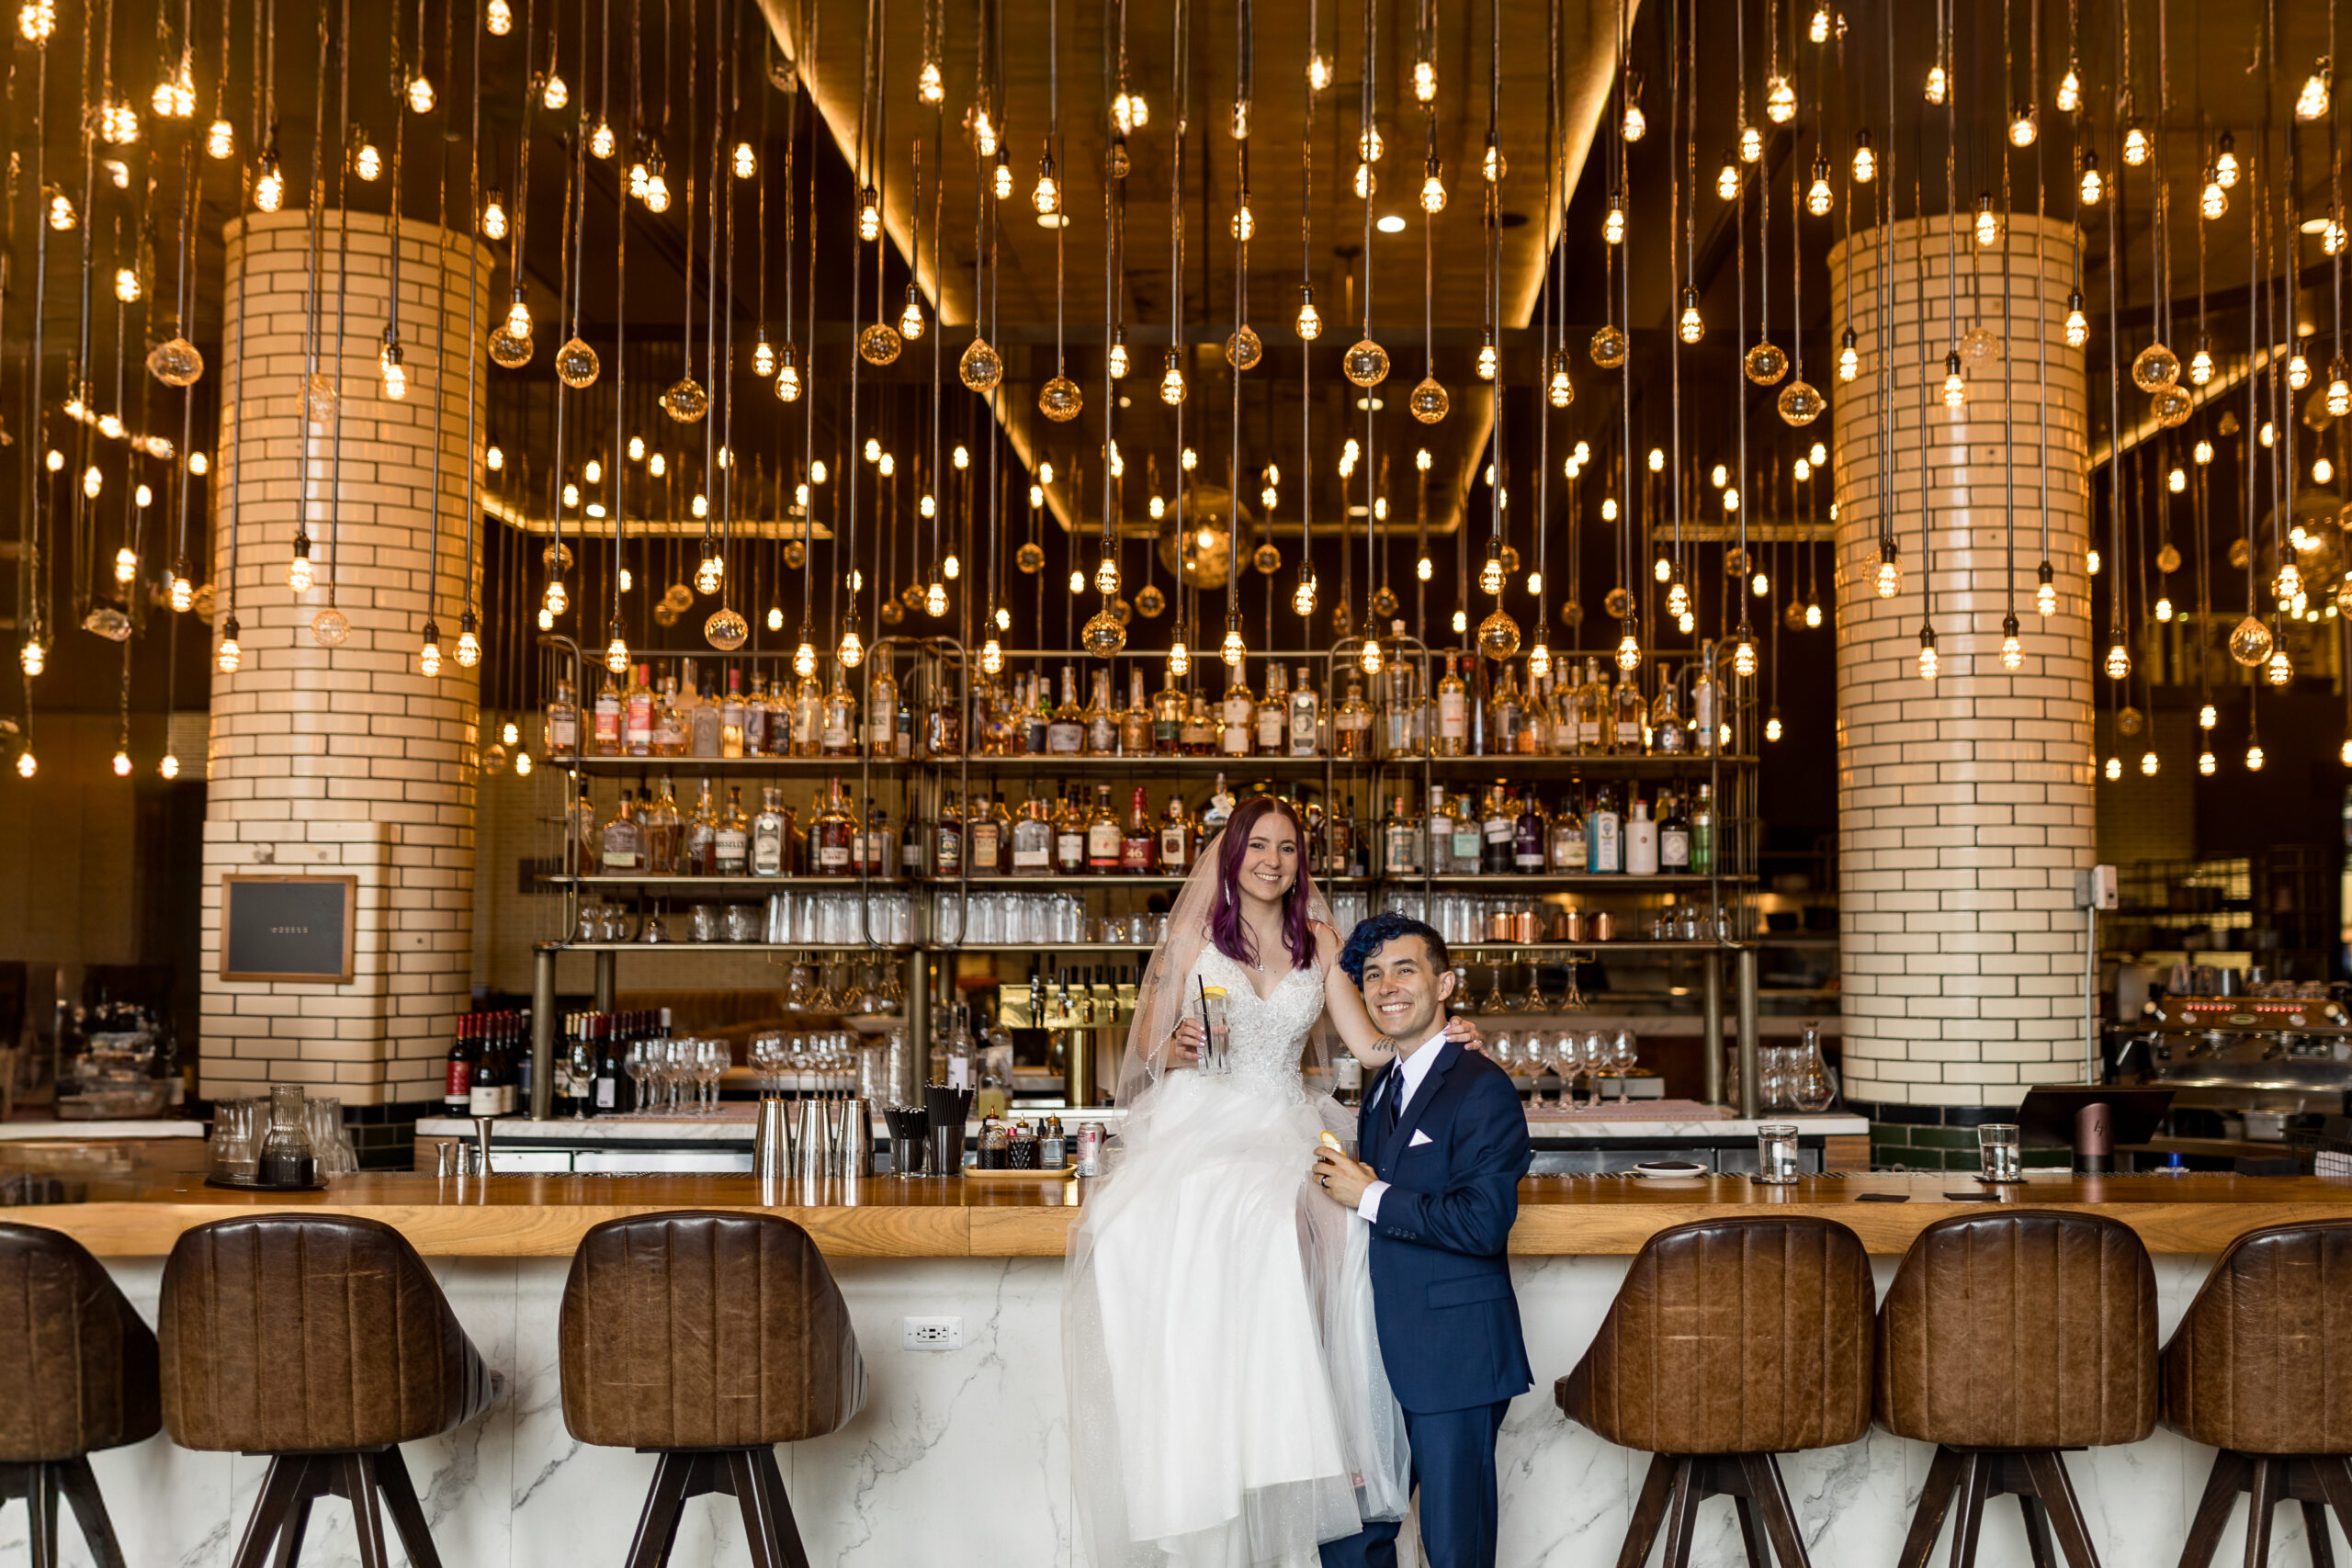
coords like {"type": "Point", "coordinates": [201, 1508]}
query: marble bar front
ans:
{"type": "Point", "coordinates": [962, 1454]}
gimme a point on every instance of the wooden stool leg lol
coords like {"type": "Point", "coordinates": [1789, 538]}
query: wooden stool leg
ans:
{"type": "Point", "coordinates": [657, 1524]}
{"type": "Point", "coordinates": [2057, 1493]}
{"type": "Point", "coordinates": [1681, 1514]}
{"type": "Point", "coordinates": [2037, 1532]}
{"type": "Point", "coordinates": [2316, 1531]}
{"type": "Point", "coordinates": [41, 1516]}
{"type": "Point", "coordinates": [751, 1497]}
{"type": "Point", "coordinates": [1927, 1518]}
{"type": "Point", "coordinates": [1762, 1473]}
{"type": "Point", "coordinates": [1751, 1537]}
{"type": "Point", "coordinates": [90, 1510]}
{"type": "Point", "coordinates": [1969, 1490]}
{"type": "Point", "coordinates": [311, 1479]}
{"type": "Point", "coordinates": [787, 1528]}
{"type": "Point", "coordinates": [2335, 1478]}
{"type": "Point", "coordinates": [360, 1473]}
{"type": "Point", "coordinates": [2268, 1476]}
{"type": "Point", "coordinates": [400, 1501]}
{"type": "Point", "coordinates": [2223, 1484]}
{"type": "Point", "coordinates": [277, 1485]}
{"type": "Point", "coordinates": [1649, 1512]}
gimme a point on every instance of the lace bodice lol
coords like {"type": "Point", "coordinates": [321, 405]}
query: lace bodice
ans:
{"type": "Point", "coordinates": [1268, 1035]}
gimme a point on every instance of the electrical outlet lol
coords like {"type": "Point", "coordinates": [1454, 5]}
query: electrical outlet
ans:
{"type": "Point", "coordinates": [931, 1333]}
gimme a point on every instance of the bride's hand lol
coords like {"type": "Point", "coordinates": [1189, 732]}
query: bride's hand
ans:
{"type": "Point", "coordinates": [1184, 1046]}
{"type": "Point", "coordinates": [1464, 1033]}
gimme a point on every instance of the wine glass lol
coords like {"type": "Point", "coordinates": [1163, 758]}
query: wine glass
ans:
{"type": "Point", "coordinates": [1504, 1053]}
{"type": "Point", "coordinates": [1621, 1056]}
{"type": "Point", "coordinates": [1596, 1058]}
{"type": "Point", "coordinates": [641, 1071]}
{"type": "Point", "coordinates": [822, 999]}
{"type": "Point", "coordinates": [716, 1058]}
{"type": "Point", "coordinates": [1494, 1000]}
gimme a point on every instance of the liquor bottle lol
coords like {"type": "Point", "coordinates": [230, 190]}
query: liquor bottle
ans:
{"type": "Point", "coordinates": [1496, 833]}
{"type": "Point", "coordinates": [664, 833]}
{"type": "Point", "coordinates": [1476, 678]}
{"type": "Point", "coordinates": [613, 1094]}
{"type": "Point", "coordinates": [577, 1081]}
{"type": "Point", "coordinates": [1136, 844]}
{"type": "Point", "coordinates": [1594, 729]}
{"type": "Point", "coordinates": [637, 724]}
{"type": "Point", "coordinates": [730, 717]}
{"type": "Point", "coordinates": [830, 849]}
{"type": "Point", "coordinates": [1399, 701]}
{"type": "Point", "coordinates": [1037, 728]}
{"type": "Point", "coordinates": [1218, 811]}
{"type": "Point", "coordinates": [1630, 712]}
{"type": "Point", "coordinates": [1702, 833]}
{"type": "Point", "coordinates": [1400, 837]}
{"type": "Point", "coordinates": [947, 719]}
{"type": "Point", "coordinates": [483, 1095]}
{"type": "Point", "coordinates": [1604, 851]}
{"type": "Point", "coordinates": [1305, 716]}
{"type": "Point", "coordinates": [1452, 709]}
{"type": "Point", "coordinates": [1706, 716]}
{"type": "Point", "coordinates": [767, 833]}
{"type": "Point", "coordinates": [1673, 837]}
{"type": "Point", "coordinates": [1440, 832]}
{"type": "Point", "coordinates": [1560, 728]}
{"type": "Point", "coordinates": [1565, 849]}
{"type": "Point", "coordinates": [984, 839]}
{"type": "Point", "coordinates": [702, 837]}
{"type": "Point", "coordinates": [669, 719]}
{"type": "Point", "coordinates": [808, 717]}
{"type": "Point", "coordinates": [1352, 725]}
{"type": "Point", "coordinates": [1134, 719]}
{"type": "Point", "coordinates": [881, 705]}
{"type": "Point", "coordinates": [778, 740]}
{"type": "Point", "coordinates": [1066, 735]}
{"type": "Point", "coordinates": [563, 722]}
{"type": "Point", "coordinates": [874, 851]}
{"type": "Point", "coordinates": [946, 842]}
{"type": "Point", "coordinates": [1349, 851]}
{"type": "Point", "coordinates": [1666, 735]}
{"type": "Point", "coordinates": [1168, 711]}
{"type": "Point", "coordinates": [1506, 715]}
{"type": "Point", "coordinates": [1178, 839]}
{"type": "Point", "coordinates": [1103, 835]}
{"type": "Point", "coordinates": [1070, 838]}
{"type": "Point", "coordinates": [837, 732]}
{"type": "Point", "coordinates": [1641, 841]}
{"type": "Point", "coordinates": [623, 849]}
{"type": "Point", "coordinates": [605, 723]}
{"type": "Point", "coordinates": [703, 720]}
{"type": "Point", "coordinates": [1033, 840]}
{"type": "Point", "coordinates": [755, 718]}
{"type": "Point", "coordinates": [581, 829]}
{"type": "Point", "coordinates": [1236, 715]}
{"type": "Point", "coordinates": [1527, 835]}
{"type": "Point", "coordinates": [732, 851]}
{"type": "Point", "coordinates": [1273, 713]}
{"type": "Point", "coordinates": [1101, 720]}
{"type": "Point", "coordinates": [457, 1081]}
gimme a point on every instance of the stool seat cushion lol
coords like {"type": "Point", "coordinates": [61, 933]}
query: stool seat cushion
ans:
{"type": "Point", "coordinates": [78, 1364]}
{"type": "Point", "coordinates": [289, 1333]}
{"type": "Point", "coordinates": [2262, 1361]}
{"type": "Point", "coordinates": [1733, 1336]}
{"type": "Point", "coordinates": [692, 1329]}
{"type": "Point", "coordinates": [2034, 1328]}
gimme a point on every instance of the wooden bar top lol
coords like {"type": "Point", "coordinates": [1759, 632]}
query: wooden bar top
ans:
{"type": "Point", "coordinates": [544, 1216]}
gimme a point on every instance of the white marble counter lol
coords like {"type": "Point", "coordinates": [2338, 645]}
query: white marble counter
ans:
{"type": "Point", "coordinates": [963, 1456]}
{"type": "Point", "coordinates": [736, 1127]}
{"type": "Point", "coordinates": [96, 1132]}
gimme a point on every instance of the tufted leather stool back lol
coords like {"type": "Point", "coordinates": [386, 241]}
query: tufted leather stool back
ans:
{"type": "Point", "coordinates": [289, 1332]}
{"type": "Point", "coordinates": [2033, 1330]}
{"type": "Point", "coordinates": [696, 1330]}
{"type": "Point", "coordinates": [2261, 1369]}
{"type": "Point", "coordinates": [77, 1365]}
{"type": "Point", "coordinates": [1735, 1336]}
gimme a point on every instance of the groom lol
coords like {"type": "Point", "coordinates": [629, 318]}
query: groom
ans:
{"type": "Point", "coordinates": [1444, 1143]}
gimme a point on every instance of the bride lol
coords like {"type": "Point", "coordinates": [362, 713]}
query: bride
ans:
{"type": "Point", "coordinates": [1229, 1406]}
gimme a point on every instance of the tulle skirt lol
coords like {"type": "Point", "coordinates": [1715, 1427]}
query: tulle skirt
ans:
{"type": "Point", "coordinates": [1229, 1409]}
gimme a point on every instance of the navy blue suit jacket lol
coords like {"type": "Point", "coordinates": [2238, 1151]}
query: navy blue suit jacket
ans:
{"type": "Point", "coordinates": [1441, 1286]}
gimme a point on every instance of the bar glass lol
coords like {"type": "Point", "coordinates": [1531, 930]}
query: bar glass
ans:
{"type": "Point", "coordinates": [1998, 1160]}
{"type": "Point", "coordinates": [1776, 1153]}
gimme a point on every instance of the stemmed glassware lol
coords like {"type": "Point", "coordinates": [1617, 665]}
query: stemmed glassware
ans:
{"type": "Point", "coordinates": [822, 999]}
{"type": "Point", "coordinates": [1596, 1058]}
{"type": "Point", "coordinates": [1504, 1053]}
{"type": "Point", "coordinates": [1621, 1057]}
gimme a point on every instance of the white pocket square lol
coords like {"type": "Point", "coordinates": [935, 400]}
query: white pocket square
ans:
{"type": "Point", "coordinates": [1418, 1139]}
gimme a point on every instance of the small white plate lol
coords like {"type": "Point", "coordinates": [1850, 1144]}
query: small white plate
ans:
{"type": "Point", "coordinates": [1669, 1171]}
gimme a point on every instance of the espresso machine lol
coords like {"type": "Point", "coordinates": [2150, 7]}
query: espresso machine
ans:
{"type": "Point", "coordinates": [2281, 1049]}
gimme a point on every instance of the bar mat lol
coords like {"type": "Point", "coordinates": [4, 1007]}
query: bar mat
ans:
{"type": "Point", "coordinates": [1634, 1110]}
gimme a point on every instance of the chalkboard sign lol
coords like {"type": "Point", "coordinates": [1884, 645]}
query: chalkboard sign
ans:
{"type": "Point", "coordinates": [287, 927]}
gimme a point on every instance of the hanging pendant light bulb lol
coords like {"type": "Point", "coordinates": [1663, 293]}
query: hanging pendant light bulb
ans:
{"type": "Point", "coordinates": [1180, 657]}
{"type": "Point", "coordinates": [852, 652]}
{"type": "Point", "coordinates": [1939, 84]}
{"type": "Point", "coordinates": [1927, 661]}
{"type": "Point", "coordinates": [1751, 144]}
{"type": "Point", "coordinates": [1780, 101]}
{"type": "Point", "coordinates": [2135, 146]}
{"type": "Point", "coordinates": [2118, 660]}
{"type": "Point", "coordinates": [2201, 364]}
{"type": "Point", "coordinates": [1689, 326]}
{"type": "Point", "coordinates": [493, 214]}
{"type": "Point", "coordinates": [35, 657]}
{"type": "Point", "coordinates": [1560, 388]}
{"type": "Point", "coordinates": [1865, 159]}
{"type": "Point", "coordinates": [787, 374]}
{"type": "Point", "coordinates": [1955, 389]}
{"type": "Point", "coordinates": [1232, 650]}
{"type": "Point", "coordinates": [2078, 326]}
{"type": "Point", "coordinates": [804, 658]}
{"type": "Point", "coordinates": [389, 366]}
{"type": "Point", "coordinates": [470, 642]}
{"type": "Point", "coordinates": [2214, 200]}
{"type": "Point", "coordinates": [1171, 382]}
{"type": "Point", "coordinates": [229, 655]}
{"type": "Point", "coordinates": [1889, 577]}
{"type": "Point", "coordinates": [1365, 363]}
{"type": "Point", "coordinates": [935, 599]}
{"type": "Point", "coordinates": [1987, 226]}
{"type": "Point", "coordinates": [1629, 651]}
{"type": "Point", "coordinates": [979, 367]}
{"type": "Point", "coordinates": [1743, 651]}
{"type": "Point", "coordinates": [1432, 188]}
{"type": "Point", "coordinates": [1728, 180]}
{"type": "Point", "coordinates": [869, 214]}
{"type": "Point", "coordinates": [2091, 187]}
{"type": "Point", "coordinates": [2312, 101]}
{"type": "Point", "coordinates": [428, 653]}
{"type": "Point", "coordinates": [1817, 197]}
{"type": "Point", "coordinates": [1612, 226]}
{"type": "Point", "coordinates": [2024, 126]}
{"type": "Point", "coordinates": [929, 85]}
{"type": "Point", "coordinates": [298, 571]}
{"type": "Point", "coordinates": [2012, 652]}
{"type": "Point", "coordinates": [558, 598]}
{"type": "Point", "coordinates": [910, 322]}
{"type": "Point", "coordinates": [2339, 389]}
{"type": "Point", "coordinates": [1046, 196]}
{"type": "Point", "coordinates": [603, 144]}
{"type": "Point", "coordinates": [1487, 363]}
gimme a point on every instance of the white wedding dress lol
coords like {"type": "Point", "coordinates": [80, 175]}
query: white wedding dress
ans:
{"type": "Point", "coordinates": [1230, 1410]}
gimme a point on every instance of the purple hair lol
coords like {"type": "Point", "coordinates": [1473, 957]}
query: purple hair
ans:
{"type": "Point", "coordinates": [1225, 930]}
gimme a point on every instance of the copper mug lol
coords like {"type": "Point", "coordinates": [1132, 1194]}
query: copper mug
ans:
{"type": "Point", "coordinates": [1568, 925]}
{"type": "Point", "coordinates": [1602, 926]}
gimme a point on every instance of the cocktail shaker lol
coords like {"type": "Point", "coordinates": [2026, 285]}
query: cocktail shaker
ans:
{"type": "Point", "coordinates": [813, 1145]}
{"type": "Point", "coordinates": [772, 1140]}
{"type": "Point", "coordinates": [853, 1144]}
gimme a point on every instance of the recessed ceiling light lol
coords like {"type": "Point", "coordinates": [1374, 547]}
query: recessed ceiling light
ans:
{"type": "Point", "coordinates": [1053, 220]}
{"type": "Point", "coordinates": [2314, 225]}
{"type": "Point", "coordinates": [1372, 405]}
{"type": "Point", "coordinates": [1392, 224]}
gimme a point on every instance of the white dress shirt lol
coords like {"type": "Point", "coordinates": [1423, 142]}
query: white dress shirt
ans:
{"type": "Point", "coordinates": [1399, 1086]}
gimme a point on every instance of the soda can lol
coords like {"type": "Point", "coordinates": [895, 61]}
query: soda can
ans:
{"type": "Point", "coordinates": [1089, 1148]}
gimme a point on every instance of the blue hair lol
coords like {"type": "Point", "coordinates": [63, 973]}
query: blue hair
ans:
{"type": "Point", "coordinates": [1371, 935]}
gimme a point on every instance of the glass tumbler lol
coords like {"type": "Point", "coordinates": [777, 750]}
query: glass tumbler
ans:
{"type": "Point", "coordinates": [1776, 1153]}
{"type": "Point", "coordinates": [1998, 1160]}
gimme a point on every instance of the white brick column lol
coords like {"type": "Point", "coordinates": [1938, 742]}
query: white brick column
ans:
{"type": "Point", "coordinates": [346, 760]}
{"type": "Point", "coordinates": [1964, 805]}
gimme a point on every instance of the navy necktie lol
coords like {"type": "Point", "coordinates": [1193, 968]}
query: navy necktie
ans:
{"type": "Point", "coordinates": [1396, 1097]}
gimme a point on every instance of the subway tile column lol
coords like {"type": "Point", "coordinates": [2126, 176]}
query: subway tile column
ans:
{"type": "Point", "coordinates": [1965, 804]}
{"type": "Point", "coordinates": [346, 760]}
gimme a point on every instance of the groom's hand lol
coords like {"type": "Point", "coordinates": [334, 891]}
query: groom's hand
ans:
{"type": "Point", "coordinates": [1341, 1179]}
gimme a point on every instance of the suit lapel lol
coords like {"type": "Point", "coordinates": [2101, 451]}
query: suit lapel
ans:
{"type": "Point", "coordinates": [1448, 1053]}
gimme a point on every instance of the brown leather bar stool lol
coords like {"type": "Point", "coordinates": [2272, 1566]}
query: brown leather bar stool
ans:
{"type": "Point", "coordinates": [322, 1341]}
{"type": "Point", "coordinates": [1730, 1341]}
{"type": "Point", "coordinates": [77, 1373]}
{"type": "Point", "coordinates": [706, 1339]}
{"type": "Point", "coordinates": [2261, 1369]}
{"type": "Point", "coordinates": [2004, 1338]}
